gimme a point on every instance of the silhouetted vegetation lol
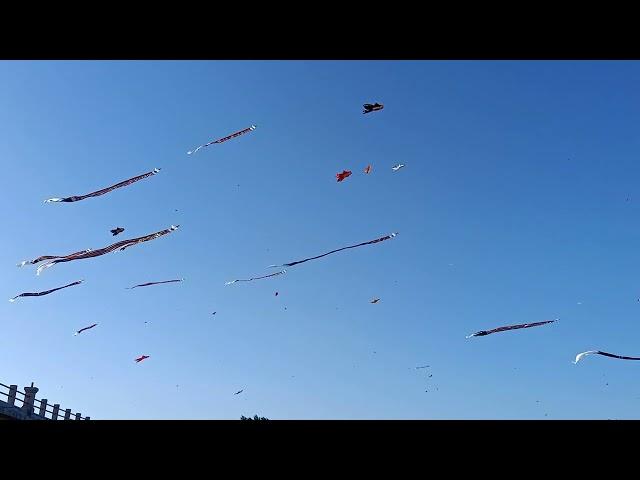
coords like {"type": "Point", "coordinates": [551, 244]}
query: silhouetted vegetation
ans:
{"type": "Point", "coordinates": [255, 417]}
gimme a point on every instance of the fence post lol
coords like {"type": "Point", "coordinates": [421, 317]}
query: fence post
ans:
{"type": "Point", "coordinates": [29, 399]}
{"type": "Point", "coordinates": [11, 399]}
{"type": "Point", "coordinates": [56, 409]}
{"type": "Point", "coordinates": [43, 407]}
{"type": "Point", "coordinates": [67, 414]}
{"type": "Point", "coordinates": [77, 416]}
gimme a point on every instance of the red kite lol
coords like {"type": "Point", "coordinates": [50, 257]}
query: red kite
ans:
{"type": "Point", "coordinates": [341, 176]}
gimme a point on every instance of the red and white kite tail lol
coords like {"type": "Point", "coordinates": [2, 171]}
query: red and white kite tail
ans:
{"type": "Point", "coordinates": [580, 356]}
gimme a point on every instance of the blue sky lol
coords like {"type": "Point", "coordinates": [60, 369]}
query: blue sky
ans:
{"type": "Point", "coordinates": [517, 173]}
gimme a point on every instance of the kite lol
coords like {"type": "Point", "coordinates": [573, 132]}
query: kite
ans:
{"type": "Point", "coordinates": [124, 183]}
{"type": "Point", "coordinates": [83, 329]}
{"type": "Point", "coordinates": [224, 139]}
{"type": "Point", "coordinates": [141, 358]}
{"type": "Point", "coordinates": [276, 294]}
{"type": "Point", "coordinates": [116, 231]}
{"type": "Point", "coordinates": [370, 242]}
{"type": "Point", "coordinates": [214, 313]}
{"type": "Point", "coordinates": [598, 352]}
{"type": "Point", "coordinates": [395, 168]}
{"type": "Point", "coordinates": [368, 108]}
{"type": "Point", "coordinates": [49, 257]}
{"type": "Point", "coordinates": [240, 391]}
{"type": "Point", "coordinates": [256, 278]}
{"type": "Point", "coordinates": [425, 366]}
{"type": "Point", "coordinates": [341, 176]}
{"type": "Point", "coordinates": [367, 169]}
{"type": "Point", "coordinates": [46, 292]}
{"type": "Point", "coordinates": [509, 327]}
{"type": "Point", "coordinates": [155, 283]}
{"type": "Point", "coordinates": [102, 251]}
{"type": "Point", "coordinates": [375, 300]}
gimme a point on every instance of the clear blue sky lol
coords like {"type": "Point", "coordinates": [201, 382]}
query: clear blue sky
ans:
{"type": "Point", "coordinates": [517, 173]}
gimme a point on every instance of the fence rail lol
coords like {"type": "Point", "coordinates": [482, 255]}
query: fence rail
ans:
{"type": "Point", "coordinates": [31, 407]}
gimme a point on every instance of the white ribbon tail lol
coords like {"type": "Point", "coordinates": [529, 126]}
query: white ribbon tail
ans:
{"type": "Point", "coordinates": [583, 354]}
{"type": "Point", "coordinates": [469, 336]}
{"type": "Point", "coordinates": [53, 200]}
{"type": "Point", "coordinates": [232, 281]}
{"type": "Point", "coordinates": [43, 266]}
{"type": "Point", "coordinates": [13, 299]}
{"type": "Point", "coordinates": [23, 263]}
{"type": "Point", "coordinates": [75, 334]}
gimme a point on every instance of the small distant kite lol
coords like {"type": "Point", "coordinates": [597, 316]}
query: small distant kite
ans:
{"type": "Point", "coordinates": [368, 107]}
{"type": "Point", "coordinates": [425, 366]}
{"type": "Point", "coordinates": [367, 169]}
{"type": "Point", "coordinates": [395, 168]}
{"type": "Point", "coordinates": [598, 352]}
{"type": "Point", "coordinates": [341, 176]}
{"type": "Point", "coordinates": [276, 294]}
{"type": "Point", "coordinates": [46, 292]}
{"type": "Point", "coordinates": [224, 139]}
{"type": "Point", "coordinates": [370, 242]}
{"type": "Point", "coordinates": [509, 327]}
{"type": "Point", "coordinates": [155, 283]}
{"type": "Point", "coordinates": [124, 183]}
{"type": "Point", "coordinates": [239, 391]}
{"type": "Point", "coordinates": [124, 244]}
{"type": "Point", "coordinates": [214, 313]}
{"type": "Point", "coordinates": [375, 300]}
{"type": "Point", "coordinates": [141, 358]}
{"type": "Point", "coordinates": [116, 231]}
{"type": "Point", "coordinates": [255, 278]}
{"type": "Point", "coordinates": [83, 329]}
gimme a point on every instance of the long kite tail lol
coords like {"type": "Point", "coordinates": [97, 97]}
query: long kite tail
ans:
{"type": "Point", "coordinates": [256, 278]}
{"type": "Point", "coordinates": [155, 283]}
{"type": "Point", "coordinates": [482, 333]}
{"type": "Point", "coordinates": [83, 329]}
{"type": "Point", "coordinates": [223, 139]}
{"type": "Point", "coordinates": [49, 257]}
{"type": "Point", "coordinates": [46, 292]}
{"type": "Point", "coordinates": [97, 193]}
{"type": "Point", "coordinates": [114, 246]}
{"type": "Point", "coordinates": [580, 356]}
{"type": "Point", "coordinates": [370, 242]}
